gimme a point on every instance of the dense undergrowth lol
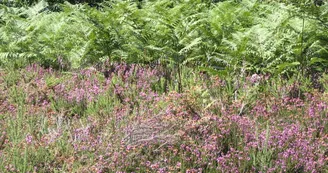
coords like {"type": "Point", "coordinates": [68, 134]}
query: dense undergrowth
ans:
{"type": "Point", "coordinates": [163, 86]}
{"type": "Point", "coordinates": [82, 121]}
{"type": "Point", "coordinates": [220, 37]}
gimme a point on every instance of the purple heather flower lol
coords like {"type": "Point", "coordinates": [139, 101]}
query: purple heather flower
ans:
{"type": "Point", "coordinates": [28, 139]}
{"type": "Point", "coordinates": [255, 78]}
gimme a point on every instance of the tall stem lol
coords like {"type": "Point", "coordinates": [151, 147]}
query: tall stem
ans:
{"type": "Point", "coordinates": [180, 81]}
{"type": "Point", "coordinates": [301, 52]}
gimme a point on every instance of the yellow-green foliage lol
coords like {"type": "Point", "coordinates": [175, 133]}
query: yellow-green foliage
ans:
{"type": "Point", "coordinates": [251, 35]}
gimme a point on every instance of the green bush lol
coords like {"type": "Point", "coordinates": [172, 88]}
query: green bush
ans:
{"type": "Point", "coordinates": [229, 36]}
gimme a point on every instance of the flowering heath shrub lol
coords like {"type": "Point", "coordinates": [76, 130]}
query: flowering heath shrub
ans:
{"type": "Point", "coordinates": [119, 120]}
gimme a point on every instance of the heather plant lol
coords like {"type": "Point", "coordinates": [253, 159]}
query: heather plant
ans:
{"type": "Point", "coordinates": [129, 126]}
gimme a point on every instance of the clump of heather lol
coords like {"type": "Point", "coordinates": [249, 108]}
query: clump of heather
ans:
{"type": "Point", "coordinates": [119, 119]}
